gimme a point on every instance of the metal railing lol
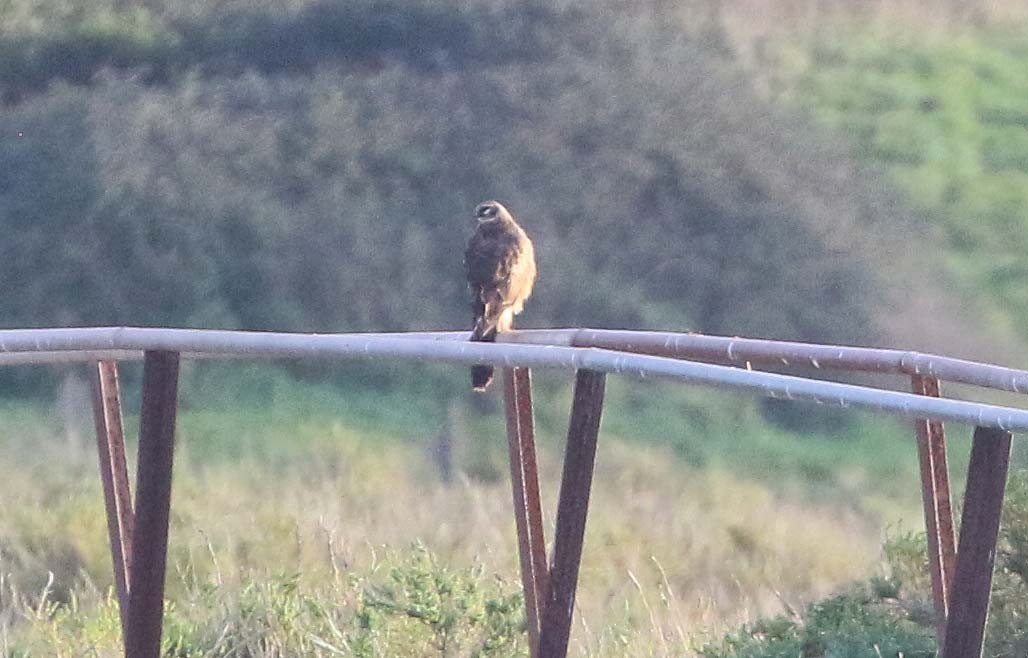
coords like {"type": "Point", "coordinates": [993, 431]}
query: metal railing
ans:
{"type": "Point", "coordinates": [961, 577]}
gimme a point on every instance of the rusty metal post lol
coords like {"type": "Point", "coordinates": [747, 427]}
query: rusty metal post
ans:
{"type": "Point", "coordinates": [110, 443]}
{"type": "Point", "coordinates": [938, 513]}
{"type": "Point", "coordinates": [153, 504]}
{"type": "Point", "coordinates": [572, 509]}
{"type": "Point", "coordinates": [525, 484]}
{"type": "Point", "coordinates": [979, 531]}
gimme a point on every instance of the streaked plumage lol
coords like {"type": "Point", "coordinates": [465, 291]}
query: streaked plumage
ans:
{"type": "Point", "coordinates": [500, 263]}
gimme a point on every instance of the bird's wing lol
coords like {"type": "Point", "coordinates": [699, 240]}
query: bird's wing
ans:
{"type": "Point", "coordinates": [488, 259]}
{"type": "Point", "coordinates": [520, 275]}
{"type": "Point", "coordinates": [496, 274]}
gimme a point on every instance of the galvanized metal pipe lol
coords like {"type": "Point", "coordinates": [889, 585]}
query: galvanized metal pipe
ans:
{"type": "Point", "coordinates": [718, 349]}
{"type": "Point", "coordinates": [741, 351]}
{"type": "Point", "coordinates": [281, 345]}
{"type": "Point", "coordinates": [36, 358]}
{"type": "Point", "coordinates": [749, 351]}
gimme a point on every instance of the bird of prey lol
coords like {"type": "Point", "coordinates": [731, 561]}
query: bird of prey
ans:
{"type": "Point", "coordinates": [500, 263]}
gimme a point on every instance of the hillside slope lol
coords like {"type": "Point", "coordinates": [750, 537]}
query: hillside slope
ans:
{"type": "Point", "coordinates": [310, 166]}
{"type": "Point", "coordinates": [947, 117]}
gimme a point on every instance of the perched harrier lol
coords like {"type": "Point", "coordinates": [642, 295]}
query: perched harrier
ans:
{"type": "Point", "coordinates": [500, 262]}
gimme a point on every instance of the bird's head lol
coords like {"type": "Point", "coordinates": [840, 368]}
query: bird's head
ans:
{"type": "Point", "coordinates": [491, 211]}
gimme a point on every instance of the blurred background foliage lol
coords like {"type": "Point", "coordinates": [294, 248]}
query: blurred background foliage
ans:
{"type": "Point", "coordinates": [827, 170]}
{"type": "Point", "coordinates": [311, 165]}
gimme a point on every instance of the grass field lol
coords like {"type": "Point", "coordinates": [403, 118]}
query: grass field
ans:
{"type": "Point", "coordinates": [298, 529]}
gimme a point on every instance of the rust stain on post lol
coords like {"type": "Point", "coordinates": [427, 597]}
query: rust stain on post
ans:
{"type": "Point", "coordinates": [110, 443]}
{"type": "Point", "coordinates": [572, 509]}
{"type": "Point", "coordinates": [153, 504]}
{"type": "Point", "coordinates": [525, 483]}
{"type": "Point", "coordinates": [938, 513]}
{"type": "Point", "coordinates": [979, 531]}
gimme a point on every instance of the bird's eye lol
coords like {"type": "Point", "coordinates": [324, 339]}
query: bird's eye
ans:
{"type": "Point", "coordinates": [487, 211]}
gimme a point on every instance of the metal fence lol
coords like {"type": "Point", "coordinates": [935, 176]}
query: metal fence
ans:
{"type": "Point", "coordinates": [961, 576]}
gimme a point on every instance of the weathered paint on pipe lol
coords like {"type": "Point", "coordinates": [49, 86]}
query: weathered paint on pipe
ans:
{"type": "Point", "coordinates": [527, 506]}
{"type": "Point", "coordinates": [935, 495]}
{"type": "Point", "coordinates": [979, 530]}
{"type": "Point", "coordinates": [110, 441]}
{"type": "Point", "coordinates": [278, 345]}
{"type": "Point", "coordinates": [153, 505]}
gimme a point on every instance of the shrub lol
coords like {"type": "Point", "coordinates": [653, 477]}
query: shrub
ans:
{"type": "Point", "coordinates": [893, 615]}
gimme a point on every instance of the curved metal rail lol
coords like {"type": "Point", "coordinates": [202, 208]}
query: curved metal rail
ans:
{"type": "Point", "coordinates": [750, 351]}
{"type": "Point", "coordinates": [961, 580]}
{"type": "Point", "coordinates": [192, 342]}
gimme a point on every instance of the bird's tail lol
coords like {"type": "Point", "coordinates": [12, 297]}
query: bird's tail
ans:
{"type": "Point", "coordinates": [485, 332]}
{"type": "Point", "coordinates": [482, 375]}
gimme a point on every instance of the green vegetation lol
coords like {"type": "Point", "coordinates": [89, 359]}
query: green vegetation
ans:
{"type": "Point", "coordinates": [284, 539]}
{"type": "Point", "coordinates": [892, 614]}
{"type": "Point", "coordinates": [310, 165]}
{"type": "Point", "coordinates": [866, 460]}
{"type": "Point", "coordinates": [73, 41]}
{"type": "Point", "coordinates": [857, 624]}
{"type": "Point", "coordinates": [405, 605]}
{"type": "Point", "coordinates": [291, 535]}
{"type": "Point", "coordinates": [330, 191]}
{"type": "Point", "coordinates": [946, 116]}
